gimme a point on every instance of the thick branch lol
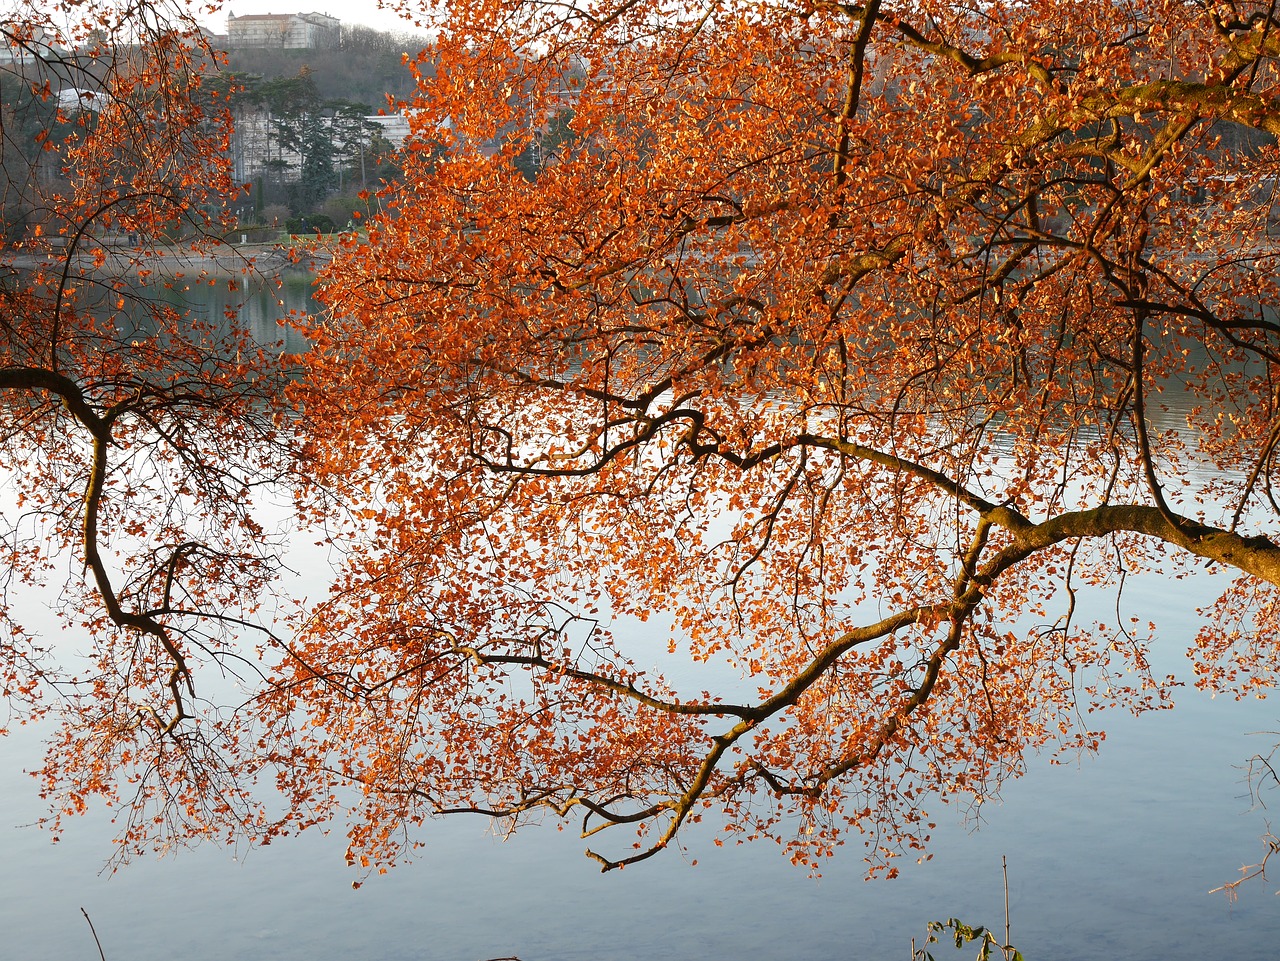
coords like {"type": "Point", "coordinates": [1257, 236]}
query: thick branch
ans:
{"type": "Point", "coordinates": [1205, 100]}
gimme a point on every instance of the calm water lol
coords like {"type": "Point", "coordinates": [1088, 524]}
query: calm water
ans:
{"type": "Point", "coordinates": [1109, 858]}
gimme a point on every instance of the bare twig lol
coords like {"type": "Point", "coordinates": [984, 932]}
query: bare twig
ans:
{"type": "Point", "coordinates": [1004, 867]}
{"type": "Point", "coordinates": [1251, 871]}
{"type": "Point", "coordinates": [94, 933]}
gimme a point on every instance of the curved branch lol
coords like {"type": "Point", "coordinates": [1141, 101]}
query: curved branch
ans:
{"type": "Point", "coordinates": [853, 92]}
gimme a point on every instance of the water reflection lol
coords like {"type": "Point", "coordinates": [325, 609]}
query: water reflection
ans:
{"type": "Point", "coordinates": [261, 307]}
{"type": "Point", "coordinates": [1110, 858]}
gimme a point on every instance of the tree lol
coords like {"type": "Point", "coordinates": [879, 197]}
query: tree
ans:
{"type": "Point", "coordinates": [546, 146]}
{"type": "Point", "coordinates": [834, 351]}
{"type": "Point", "coordinates": [320, 133]}
{"type": "Point", "coordinates": [292, 103]}
{"type": "Point", "coordinates": [132, 432]}
{"type": "Point", "coordinates": [240, 94]}
{"type": "Point", "coordinates": [352, 133]}
{"type": "Point", "coordinates": [316, 174]}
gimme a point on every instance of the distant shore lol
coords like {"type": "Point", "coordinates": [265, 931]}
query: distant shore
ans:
{"type": "Point", "coordinates": [219, 260]}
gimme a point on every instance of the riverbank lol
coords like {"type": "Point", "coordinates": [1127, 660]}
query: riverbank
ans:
{"type": "Point", "coordinates": [220, 259]}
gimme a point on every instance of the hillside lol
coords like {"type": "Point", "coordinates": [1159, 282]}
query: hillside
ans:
{"type": "Point", "coordinates": [366, 67]}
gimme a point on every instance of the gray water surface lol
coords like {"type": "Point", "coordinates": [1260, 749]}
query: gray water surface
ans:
{"type": "Point", "coordinates": [1110, 858]}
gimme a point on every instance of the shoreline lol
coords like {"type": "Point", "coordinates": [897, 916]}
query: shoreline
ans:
{"type": "Point", "coordinates": [223, 259]}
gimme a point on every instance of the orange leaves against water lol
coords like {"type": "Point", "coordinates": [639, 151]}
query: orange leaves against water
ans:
{"type": "Point", "coordinates": [135, 433]}
{"type": "Point", "coordinates": [827, 350]}
{"type": "Point", "coordinates": [723, 418]}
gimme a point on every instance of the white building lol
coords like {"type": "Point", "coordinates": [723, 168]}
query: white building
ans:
{"type": "Point", "coordinates": [75, 99]}
{"type": "Point", "coordinates": [22, 42]}
{"type": "Point", "coordinates": [395, 127]}
{"type": "Point", "coordinates": [284, 30]}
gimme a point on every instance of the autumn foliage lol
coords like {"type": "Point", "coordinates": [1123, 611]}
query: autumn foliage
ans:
{"type": "Point", "coordinates": [132, 432]}
{"type": "Point", "coordinates": [740, 459]}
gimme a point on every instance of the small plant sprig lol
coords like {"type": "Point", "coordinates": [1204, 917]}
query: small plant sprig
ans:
{"type": "Point", "coordinates": [967, 934]}
{"type": "Point", "coordinates": [964, 934]}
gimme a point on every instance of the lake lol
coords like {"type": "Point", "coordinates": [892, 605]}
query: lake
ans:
{"type": "Point", "coordinates": [1111, 857]}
